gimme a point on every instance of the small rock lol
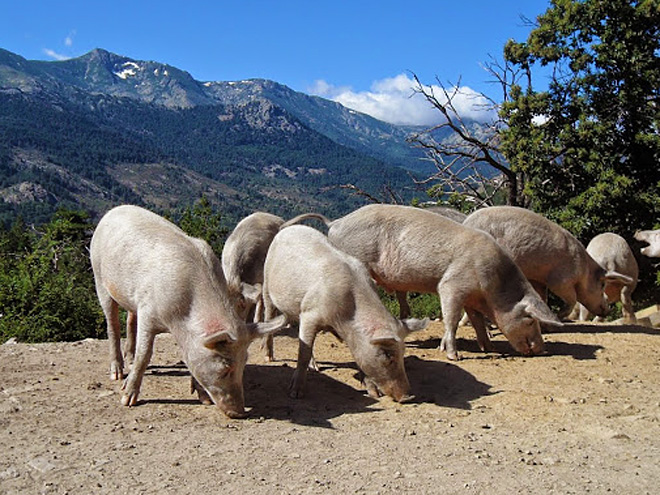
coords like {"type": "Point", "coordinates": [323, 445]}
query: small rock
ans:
{"type": "Point", "coordinates": [42, 465]}
{"type": "Point", "coordinates": [9, 474]}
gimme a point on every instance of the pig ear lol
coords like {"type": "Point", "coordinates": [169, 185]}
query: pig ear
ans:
{"type": "Point", "coordinates": [384, 337]}
{"type": "Point", "coordinates": [260, 329]}
{"type": "Point", "coordinates": [548, 322]}
{"type": "Point", "coordinates": [251, 292]}
{"type": "Point", "coordinates": [548, 326]}
{"type": "Point", "coordinates": [218, 339]}
{"type": "Point", "coordinates": [618, 277]}
{"type": "Point", "coordinates": [415, 325]}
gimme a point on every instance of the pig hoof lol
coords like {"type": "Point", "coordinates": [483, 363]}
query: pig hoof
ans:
{"type": "Point", "coordinates": [129, 400]}
{"type": "Point", "coordinates": [116, 372]}
{"type": "Point", "coordinates": [236, 414]}
{"type": "Point", "coordinates": [453, 356]}
{"type": "Point", "coordinates": [406, 398]}
{"type": "Point", "coordinates": [296, 394]}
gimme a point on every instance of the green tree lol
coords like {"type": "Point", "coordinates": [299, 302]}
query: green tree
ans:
{"type": "Point", "coordinates": [588, 145]}
{"type": "Point", "coordinates": [46, 285]}
{"type": "Point", "coordinates": [200, 221]}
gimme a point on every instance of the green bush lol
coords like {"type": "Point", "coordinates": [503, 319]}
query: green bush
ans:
{"type": "Point", "coordinates": [421, 305]}
{"type": "Point", "coordinates": [46, 284]}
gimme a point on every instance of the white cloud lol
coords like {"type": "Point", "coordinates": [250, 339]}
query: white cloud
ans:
{"type": "Point", "coordinates": [68, 41]}
{"type": "Point", "coordinates": [53, 54]}
{"type": "Point", "coordinates": [393, 100]}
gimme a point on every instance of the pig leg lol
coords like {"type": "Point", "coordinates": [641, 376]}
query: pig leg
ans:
{"type": "Point", "coordinates": [144, 350]}
{"type": "Point", "coordinates": [452, 306]}
{"type": "Point", "coordinates": [479, 324]}
{"type": "Point", "coordinates": [111, 312]}
{"type": "Point", "coordinates": [404, 307]}
{"type": "Point", "coordinates": [584, 313]}
{"type": "Point", "coordinates": [131, 330]}
{"type": "Point", "coordinates": [268, 313]}
{"type": "Point", "coordinates": [567, 294]}
{"type": "Point", "coordinates": [202, 394]}
{"type": "Point", "coordinates": [627, 307]}
{"type": "Point", "coordinates": [259, 311]}
{"type": "Point", "coordinates": [306, 336]}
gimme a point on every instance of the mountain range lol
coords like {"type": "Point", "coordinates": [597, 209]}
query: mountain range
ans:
{"type": "Point", "coordinates": [103, 129]}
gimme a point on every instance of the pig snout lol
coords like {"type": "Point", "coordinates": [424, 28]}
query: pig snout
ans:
{"type": "Point", "coordinates": [399, 392]}
{"type": "Point", "coordinates": [536, 346]}
{"type": "Point", "coordinates": [603, 308]}
{"type": "Point", "coordinates": [232, 407]}
{"type": "Point", "coordinates": [533, 346]}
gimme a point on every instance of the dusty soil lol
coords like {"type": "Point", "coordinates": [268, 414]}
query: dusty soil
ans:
{"type": "Point", "coordinates": [583, 419]}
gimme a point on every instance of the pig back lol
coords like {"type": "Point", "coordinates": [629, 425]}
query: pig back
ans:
{"type": "Point", "coordinates": [244, 253]}
{"type": "Point", "coordinates": [538, 246]}
{"type": "Point", "coordinates": [612, 252]}
{"type": "Point", "coordinates": [406, 248]}
{"type": "Point", "coordinates": [303, 267]}
{"type": "Point", "coordinates": [140, 257]}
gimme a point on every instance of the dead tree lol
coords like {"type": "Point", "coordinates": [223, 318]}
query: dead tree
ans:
{"type": "Point", "coordinates": [469, 162]}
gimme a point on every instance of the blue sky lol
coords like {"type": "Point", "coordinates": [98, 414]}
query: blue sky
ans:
{"type": "Point", "coordinates": [359, 52]}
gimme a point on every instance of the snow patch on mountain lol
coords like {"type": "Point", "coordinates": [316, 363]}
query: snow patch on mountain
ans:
{"type": "Point", "coordinates": [128, 69]}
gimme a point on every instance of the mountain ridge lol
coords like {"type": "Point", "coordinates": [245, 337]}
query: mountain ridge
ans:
{"type": "Point", "coordinates": [93, 115]}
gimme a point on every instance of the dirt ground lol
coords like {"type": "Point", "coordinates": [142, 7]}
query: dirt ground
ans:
{"type": "Point", "coordinates": [585, 418]}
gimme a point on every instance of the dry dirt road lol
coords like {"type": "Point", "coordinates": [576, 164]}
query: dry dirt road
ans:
{"type": "Point", "coordinates": [583, 419]}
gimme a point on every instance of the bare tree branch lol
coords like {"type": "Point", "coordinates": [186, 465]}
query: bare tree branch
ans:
{"type": "Point", "coordinates": [469, 161]}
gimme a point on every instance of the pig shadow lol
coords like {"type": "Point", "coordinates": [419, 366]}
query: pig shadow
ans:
{"type": "Point", "coordinates": [177, 369]}
{"type": "Point", "coordinates": [586, 327]}
{"type": "Point", "coordinates": [266, 391]}
{"type": "Point", "coordinates": [502, 349]}
{"type": "Point", "coordinates": [267, 396]}
{"type": "Point", "coordinates": [444, 384]}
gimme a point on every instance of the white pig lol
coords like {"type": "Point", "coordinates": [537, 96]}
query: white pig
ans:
{"type": "Point", "coordinates": [549, 256]}
{"type": "Point", "coordinates": [409, 249]}
{"type": "Point", "coordinates": [310, 281]}
{"type": "Point", "coordinates": [447, 212]}
{"type": "Point", "coordinates": [174, 283]}
{"type": "Point", "coordinates": [652, 237]}
{"type": "Point", "coordinates": [611, 251]}
{"type": "Point", "coordinates": [243, 258]}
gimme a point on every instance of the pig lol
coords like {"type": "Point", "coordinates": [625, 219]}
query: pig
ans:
{"type": "Point", "coordinates": [243, 258]}
{"type": "Point", "coordinates": [171, 282]}
{"type": "Point", "coordinates": [447, 212]}
{"type": "Point", "coordinates": [409, 249]}
{"type": "Point", "coordinates": [652, 237]}
{"type": "Point", "coordinates": [549, 256]}
{"type": "Point", "coordinates": [611, 251]}
{"type": "Point", "coordinates": [312, 282]}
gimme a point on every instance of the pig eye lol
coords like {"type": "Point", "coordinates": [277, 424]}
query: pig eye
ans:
{"type": "Point", "coordinates": [227, 370]}
{"type": "Point", "coordinates": [388, 354]}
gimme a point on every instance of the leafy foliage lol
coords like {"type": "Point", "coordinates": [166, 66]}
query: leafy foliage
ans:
{"type": "Point", "coordinates": [202, 222]}
{"type": "Point", "coordinates": [46, 286]}
{"type": "Point", "coordinates": [421, 305]}
{"type": "Point", "coordinates": [589, 144]}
